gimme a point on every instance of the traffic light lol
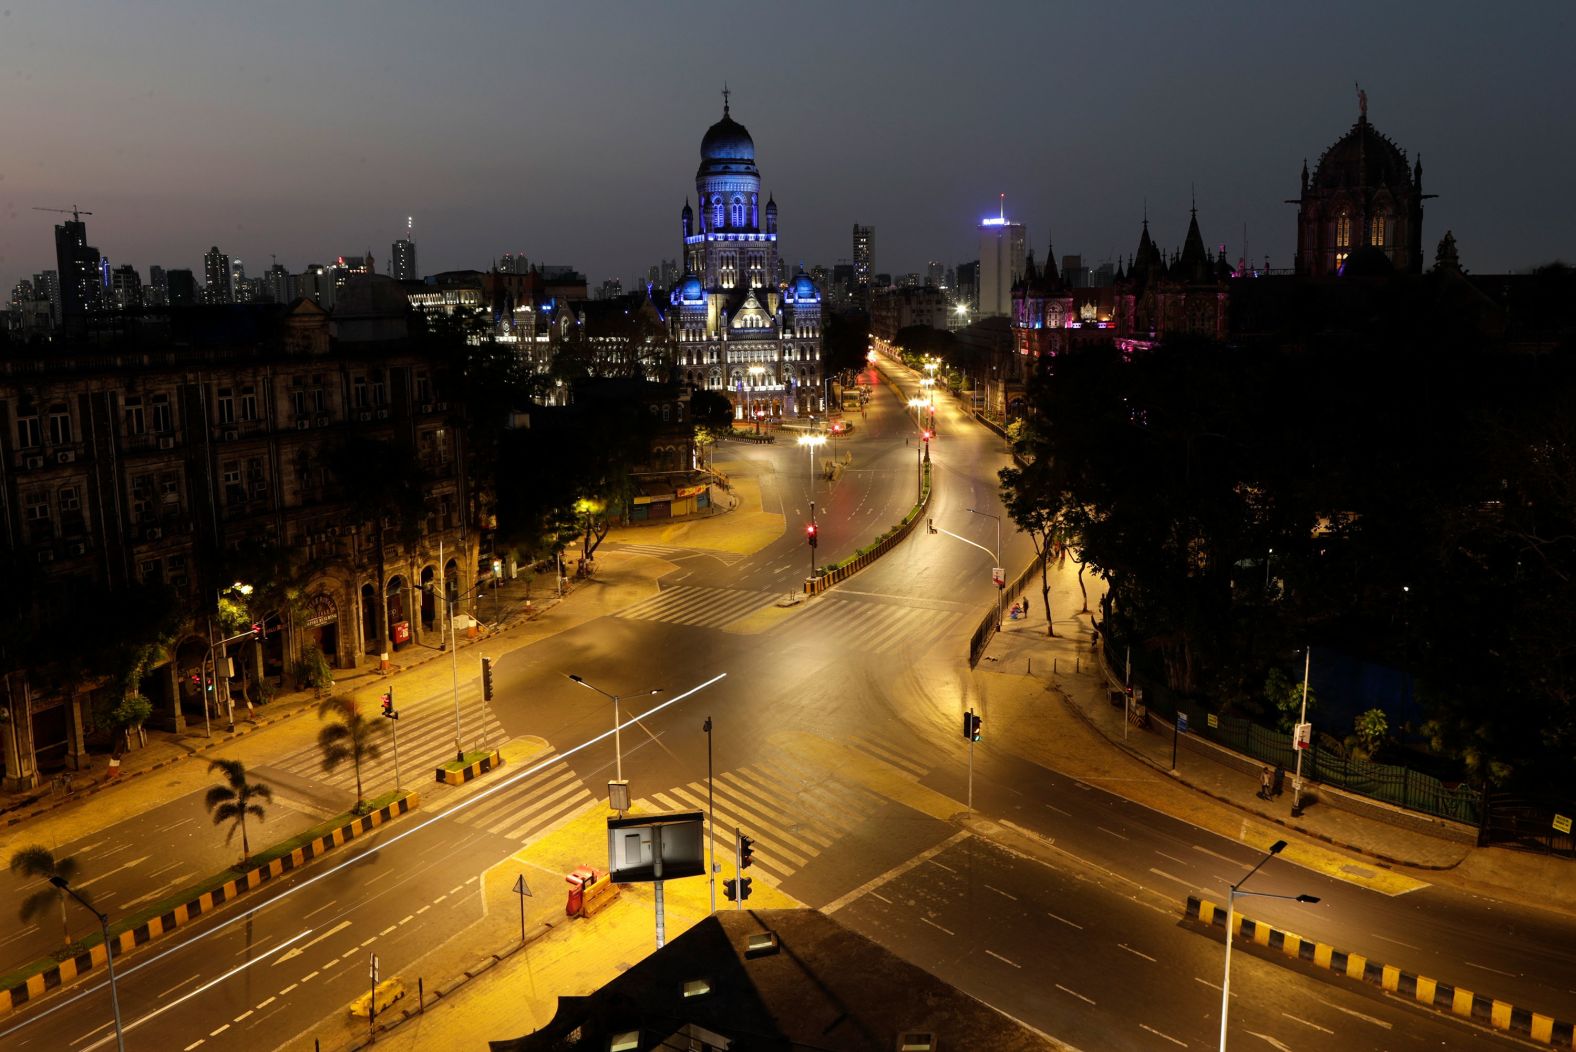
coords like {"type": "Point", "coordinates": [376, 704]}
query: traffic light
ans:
{"type": "Point", "coordinates": [927, 435]}
{"type": "Point", "coordinates": [746, 851]}
{"type": "Point", "coordinates": [728, 890]}
{"type": "Point", "coordinates": [388, 705]}
{"type": "Point", "coordinates": [810, 533]}
{"type": "Point", "coordinates": [744, 887]}
{"type": "Point", "coordinates": [487, 684]}
{"type": "Point", "coordinates": [971, 726]}
{"type": "Point", "coordinates": [259, 631]}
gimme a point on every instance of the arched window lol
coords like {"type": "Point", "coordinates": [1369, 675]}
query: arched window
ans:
{"type": "Point", "coordinates": [1343, 231]}
{"type": "Point", "coordinates": [1376, 230]}
{"type": "Point", "coordinates": [716, 209]}
{"type": "Point", "coordinates": [738, 212]}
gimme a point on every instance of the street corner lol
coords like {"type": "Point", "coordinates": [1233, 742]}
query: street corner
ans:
{"type": "Point", "coordinates": [1333, 863]}
{"type": "Point", "coordinates": [524, 749]}
{"type": "Point", "coordinates": [870, 772]}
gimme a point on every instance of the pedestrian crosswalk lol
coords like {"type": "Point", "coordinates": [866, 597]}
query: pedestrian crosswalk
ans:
{"type": "Point", "coordinates": [663, 551]}
{"type": "Point", "coordinates": [426, 739]}
{"type": "Point", "coordinates": [692, 605]}
{"type": "Point", "coordinates": [878, 627]}
{"type": "Point", "coordinates": [794, 811]}
{"type": "Point", "coordinates": [532, 805]}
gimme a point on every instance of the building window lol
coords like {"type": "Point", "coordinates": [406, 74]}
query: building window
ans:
{"type": "Point", "coordinates": [423, 386]}
{"type": "Point", "coordinates": [59, 425]}
{"type": "Point", "coordinates": [716, 208]}
{"type": "Point", "coordinates": [738, 211]}
{"type": "Point", "coordinates": [136, 423]}
{"type": "Point", "coordinates": [256, 479]}
{"type": "Point", "coordinates": [248, 403]}
{"type": "Point", "coordinates": [1376, 231]}
{"type": "Point", "coordinates": [163, 419]}
{"type": "Point", "coordinates": [28, 433]}
{"type": "Point", "coordinates": [40, 525]}
{"type": "Point", "coordinates": [230, 479]}
{"type": "Point", "coordinates": [379, 391]}
{"type": "Point", "coordinates": [170, 489]}
{"type": "Point", "coordinates": [226, 405]}
{"type": "Point", "coordinates": [358, 392]}
{"type": "Point", "coordinates": [69, 499]}
{"type": "Point", "coordinates": [151, 571]}
{"type": "Point", "coordinates": [141, 497]}
{"type": "Point", "coordinates": [1343, 231]}
{"type": "Point", "coordinates": [298, 403]}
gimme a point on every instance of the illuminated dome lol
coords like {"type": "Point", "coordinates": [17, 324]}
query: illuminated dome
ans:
{"type": "Point", "coordinates": [1361, 158]}
{"type": "Point", "coordinates": [804, 289]}
{"type": "Point", "coordinates": [690, 290]}
{"type": "Point", "coordinates": [727, 140]}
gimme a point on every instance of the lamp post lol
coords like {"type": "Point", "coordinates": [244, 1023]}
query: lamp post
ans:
{"type": "Point", "coordinates": [920, 456]}
{"type": "Point", "coordinates": [812, 442]}
{"type": "Point", "coordinates": [988, 515]}
{"type": "Point", "coordinates": [245, 591]}
{"type": "Point", "coordinates": [711, 820]}
{"type": "Point", "coordinates": [109, 954]}
{"type": "Point", "coordinates": [756, 372]}
{"type": "Point", "coordinates": [618, 748]}
{"type": "Point", "coordinates": [1231, 903]}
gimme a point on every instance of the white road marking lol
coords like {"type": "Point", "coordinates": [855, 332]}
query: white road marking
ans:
{"type": "Point", "coordinates": [95, 1030]}
{"type": "Point", "coordinates": [1163, 873]}
{"type": "Point", "coordinates": [883, 898]}
{"type": "Point", "coordinates": [369, 941]}
{"type": "Point", "coordinates": [287, 989]}
{"type": "Point", "coordinates": [456, 889]}
{"type": "Point", "coordinates": [1398, 942]}
{"type": "Point", "coordinates": [1113, 832]}
{"type": "Point", "coordinates": [1073, 993]}
{"type": "Point", "coordinates": [1173, 858]}
{"type": "Point", "coordinates": [408, 918]}
{"type": "Point", "coordinates": [440, 898]}
{"type": "Point", "coordinates": [194, 1044]}
{"type": "Point", "coordinates": [949, 869]}
{"type": "Point", "coordinates": [331, 962]}
{"type": "Point", "coordinates": [1002, 893]}
{"type": "Point", "coordinates": [938, 927]}
{"type": "Point", "coordinates": [1359, 1015]}
{"type": "Point", "coordinates": [1304, 1022]}
{"type": "Point", "coordinates": [1214, 854]}
{"type": "Point", "coordinates": [1206, 982]}
{"type": "Point", "coordinates": [1496, 971]}
{"type": "Point", "coordinates": [1157, 1033]}
{"type": "Point", "coordinates": [320, 909]}
{"type": "Point", "coordinates": [1004, 960]}
{"type": "Point", "coordinates": [424, 909]}
{"type": "Point", "coordinates": [1272, 1042]}
{"type": "Point", "coordinates": [165, 993]}
{"type": "Point", "coordinates": [1065, 921]}
{"type": "Point", "coordinates": [390, 928]}
{"type": "Point", "coordinates": [222, 1029]}
{"type": "Point", "coordinates": [264, 1004]}
{"type": "Point", "coordinates": [1135, 953]}
{"type": "Point", "coordinates": [1059, 811]}
{"type": "Point", "coordinates": [243, 1015]}
{"type": "Point", "coordinates": [350, 952]}
{"type": "Point", "coordinates": [296, 951]}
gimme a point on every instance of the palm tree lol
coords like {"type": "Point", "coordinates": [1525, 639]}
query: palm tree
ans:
{"type": "Point", "coordinates": [233, 801]}
{"type": "Point", "coordinates": [350, 736]}
{"type": "Point", "coordinates": [38, 861]}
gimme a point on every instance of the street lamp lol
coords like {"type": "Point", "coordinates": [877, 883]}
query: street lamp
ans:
{"type": "Point", "coordinates": [245, 591]}
{"type": "Point", "coordinates": [920, 455]}
{"type": "Point", "coordinates": [813, 442]}
{"type": "Point", "coordinates": [618, 748]}
{"type": "Point", "coordinates": [1231, 902]}
{"type": "Point", "coordinates": [109, 954]}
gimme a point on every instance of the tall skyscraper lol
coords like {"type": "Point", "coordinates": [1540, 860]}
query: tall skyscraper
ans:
{"type": "Point", "coordinates": [404, 253]}
{"type": "Point", "coordinates": [78, 264]}
{"type": "Point", "coordinates": [280, 283]}
{"type": "Point", "coordinates": [935, 273]}
{"type": "Point", "coordinates": [126, 288]}
{"type": "Point", "coordinates": [182, 286]}
{"type": "Point", "coordinates": [1001, 262]}
{"type": "Point", "coordinates": [46, 286]}
{"type": "Point", "coordinates": [157, 292]}
{"type": "Point", "coordinates": [216, 276]}
{"type": "Point", "coordinates": [864, 257]}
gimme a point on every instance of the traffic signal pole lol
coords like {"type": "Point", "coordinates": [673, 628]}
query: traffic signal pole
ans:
{"type": "Point", "coordinates": [738, 869]}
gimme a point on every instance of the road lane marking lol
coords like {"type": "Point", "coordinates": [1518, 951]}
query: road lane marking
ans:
{"type": "Point", "coordinates": [1353, 1012]}
{"type": "Point", "coordinates": [320, 909]}
{"type": "Point", "coordinates": [1002, 893]}
{"type": "Point", "coordinates": [390, 928]}
{"type": "Point", "coordinates": [264, 1004]}
{"type": "Point", "coordinates": [440, 898]}
{"type": "Point", "coordinates": [308, 978]}
{"type": "Point", "coordinates": [1213, 854]}
{"type": "Point", "coordinates": [1135, 953]}
{"type": "Point", "coordinates": [1065, 921]}
{"type": "Point", "coordinates": [938, 927]}
{"type": "Point", "coordinates": [331, 962]}
{"type": "Point", "coordinates": [1157, 1033]}
{"type": "Point", "coordinates": [243, 1015]}
{"type": "Point", "coordinates": [949, 869]}
{"type": "Point", "coordinates": [222, 1029]}
{"type": "Point", "coordinates": [369, 941]}
{"type": "Point", "coordinates": [1163, 873]}
{"type": "Point", "coordinates": [1173, 858]}
{"type": "Point", "coordinates": [1304, 1022]}
{"type": "Point", "coordinates": [408, 918]}
{"type": "Point", "coordinates": [1059, 811]}
{"type": "Point", "coordinates": [1496, 971]}
{"type": "Point", "coordinates": [95, 1030]}
{"type": "Point", "coordinates": [298, 950]}
{"type": "Point", "coordinates": [1004, 960]}
{"type": "Point", "coordinates": [165, 993]}
{"type": "Point", "coordinates": [287, 989]}
{"type": "Point", "coordinates": [883, 898]}
{"type": "Point", "coordinates": [1398, 942]}
{"type": "Point", "coordinates": [350, 952]}
{"type": "Point", "coordinates": [1073, 993]}
{"type": "Point", "coordinates": [194, 1044]}
{"type": "Point", "coordinates": [456, 889]}
{"type": "Point", "coordinates": [1113, 832]}
{"type": "Point", "coordinates": [424, 909]}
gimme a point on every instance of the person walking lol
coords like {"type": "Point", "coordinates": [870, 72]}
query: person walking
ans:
{"type": "Point", "coordinates": [1264, 784]}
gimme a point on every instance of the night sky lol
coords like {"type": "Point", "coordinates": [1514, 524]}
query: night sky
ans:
{"type": "Point", "coordinates": [570, 131]}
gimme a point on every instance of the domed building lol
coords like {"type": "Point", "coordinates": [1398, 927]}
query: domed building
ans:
{"type": "Point", "coordinates": [1362, 195]}
{"type": "Point", "coordinates": [736, 328]}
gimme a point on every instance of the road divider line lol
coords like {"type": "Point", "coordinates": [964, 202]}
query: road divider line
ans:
{"type": "Point", "coordinates": [1168, 1037]}
{"type": "Point", "coordinates": [222, 1029]}
{"type": "Point", "coordinates": [1004, 960]}
{"type": "Point", "coordinates": [938, 927]}
{"type": "Point", "coordinates": [1305, 1022]}
{"type": "Point", "coordinates": [1065, 921]}
{"type": "Point", "coordinates": [1135, 953]}
{"type": "Point", "coordinates": [1003, 894]}
{"type": "Point", "coordinates": [1073, 993]}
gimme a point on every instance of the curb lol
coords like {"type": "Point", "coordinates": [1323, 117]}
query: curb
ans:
{"type": "Point", "coordinates": [207, 902]}
{"type": "Point", "coordinates": [1431, 993]}
{"type": "Point", "coordinates": [465, 774]}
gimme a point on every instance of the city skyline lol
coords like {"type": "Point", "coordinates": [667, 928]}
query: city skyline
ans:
{"type": "Point", "coordinates": [238, 131]}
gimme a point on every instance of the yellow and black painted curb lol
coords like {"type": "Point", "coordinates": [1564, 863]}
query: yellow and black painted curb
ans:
{"type": "Point", "coordinates": [1501, 1015]}
{"type": "Point", "coordinates": [465, 774]}
{"type": "Point", "coordinates": [94, 957]}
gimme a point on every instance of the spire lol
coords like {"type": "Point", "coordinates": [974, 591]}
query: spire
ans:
{"type": "Point", "coordinates": [725, 94]}
{"type": "Point", "coordinates": [1052, 276]}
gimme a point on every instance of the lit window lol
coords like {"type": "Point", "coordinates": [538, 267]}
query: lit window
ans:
{"type": "Point", "coordinates": [1343, 231]}
{"type": "Point", "coordinates": [738, 211]}
{"type": "Point", "coordinates": [1376, 232]}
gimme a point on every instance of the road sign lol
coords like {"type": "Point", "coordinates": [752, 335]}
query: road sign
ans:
{"type": "Point", "coordinates": [520, 887]}
{"type": "Point", "coordinates": [1214, 721]}
{"type": "Point", "coordinates": [998, 576]}
{"type": "Point", "coordinates": [1303, 736]}
{"type": "Point", "coordinates": [1562, 823]}
{"type": "Point", "coordinates": [1181, 723]}
{"type": "Point", "coordinates": [374, 967]}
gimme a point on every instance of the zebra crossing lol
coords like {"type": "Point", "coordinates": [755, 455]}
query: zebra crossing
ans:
{"type": "Point", "coordinates": [792, 810]}
{"type": "Point", "coordinates": [532, 805]}
{"type": "Point", "coordinates": [694, 605]}
{"type": "Point", "coordinates": [426, 739]}
{"type": "Point", "coordinates": [877, 627]}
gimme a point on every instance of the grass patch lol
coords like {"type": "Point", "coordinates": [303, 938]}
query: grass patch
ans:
{"type": "Point", "coordinates": [470, 758]}
{"type": "Point", "coordinates": [192, 891]}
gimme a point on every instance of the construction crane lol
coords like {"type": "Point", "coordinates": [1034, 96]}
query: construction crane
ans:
{"type": "Point", "coordinates": [75, 212]}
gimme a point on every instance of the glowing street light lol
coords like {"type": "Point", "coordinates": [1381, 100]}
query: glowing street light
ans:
{"type": "Point", "coordinates": [813, 442]}
{"type": "Point", "coordinates": [618, 748]}
{"type": "Point", "coordinates": [1231, 904]}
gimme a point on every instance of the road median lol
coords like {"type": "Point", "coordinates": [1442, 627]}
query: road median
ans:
{"type": "Point", "coordinates": [198, 900]}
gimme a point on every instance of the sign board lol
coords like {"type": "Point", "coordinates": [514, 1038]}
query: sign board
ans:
{"type": "Point", "coordinates": [520, 887]}
{"type": "Point", "coordinates": [1181, 723]}
{"type": "Point", "coordinates": [689, 491]}
{"type": "Point", "coordinates": [374, 967]}
{"type": "Point", "coordinates": [998, 576]}
{"type": "Point", "coordinates": [1302, 737]}
{"type": "Point", "coordinates": [1562, 823]}
{"type": "Point", "coordinates": [635, 844]}
{"type": "Point", "coordinates": [1214, 721]}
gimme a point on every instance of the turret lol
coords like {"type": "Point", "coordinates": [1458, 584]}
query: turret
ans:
{"type": "Point", "coordinates": [687, 220]}
{"type": "Point", "coordinates": [771, 215]}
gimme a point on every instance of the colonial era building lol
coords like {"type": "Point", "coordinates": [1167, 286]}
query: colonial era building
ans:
{"type": "Point", "coordinates": [155, 457]}
{"type": "Point", "coordinates": [736, 328]}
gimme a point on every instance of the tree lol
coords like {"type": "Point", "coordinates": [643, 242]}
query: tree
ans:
{"type": "Point", "coordinates": [1036, 505]}
{"type": "Point", "coordinates": [711, 410]}
{"type": "Point", "coordinates": [237, 799]}
{"type": "Point", "coordinates": [348, 736]}
{"type": "Point", "coordinates": [1369, 731]}
{"type": "Point", "coordinates": [845, 341]}
{"type": "Point", "coordinates": [38, 861]}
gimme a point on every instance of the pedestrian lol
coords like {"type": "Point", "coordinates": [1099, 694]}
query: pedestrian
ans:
{"type": "Point", "coordinates": [1280, 779]}
{"type": "Point", "coordinates": [1027, 603]}
{"type": "Point", "coordinates": [1264, 784]}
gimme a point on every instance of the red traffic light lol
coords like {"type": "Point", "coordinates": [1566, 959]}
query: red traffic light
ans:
{"type": "Point", "coordinates": [927, 435]}
{"type": "Point", "coordinates": [258, 631]}
{"type": "Point", "coordinates": [810, 533]}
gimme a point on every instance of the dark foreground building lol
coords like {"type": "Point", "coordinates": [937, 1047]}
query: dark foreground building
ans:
{"type": "Point", "coordinates": [776, 980]}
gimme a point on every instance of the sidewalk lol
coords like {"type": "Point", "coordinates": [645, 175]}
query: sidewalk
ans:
{"type": "Point", "coordinates": [1056, 698]}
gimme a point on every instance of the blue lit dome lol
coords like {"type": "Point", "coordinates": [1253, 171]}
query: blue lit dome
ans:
{"type": "Point", "coordinates": [690, 289]}
{"type": "Point", "coordinates": [727, 140]}
{"type": "Point", "coordinates": [727, 159]}
{"type": "Point", "coordinates": [804, 289]}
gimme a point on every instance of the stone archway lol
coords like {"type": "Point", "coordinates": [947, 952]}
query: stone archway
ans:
{"type": "Point", "coordinates": [321, 626]}
{"type": "Point", "coordinates": [398, 612]}
{"type": "Point", "coordinates": [371, 623]}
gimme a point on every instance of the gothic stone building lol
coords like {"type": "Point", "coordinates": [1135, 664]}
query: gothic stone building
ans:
{"type": "Point", "coordinates": [736, 328]}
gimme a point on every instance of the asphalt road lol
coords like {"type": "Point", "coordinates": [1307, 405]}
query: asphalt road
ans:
{"type": "Point", "coordinates": [836, 744]}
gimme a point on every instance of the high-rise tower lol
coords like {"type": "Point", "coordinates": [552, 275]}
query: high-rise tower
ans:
{"type": "Point", "coordinates": [404, 253]}
{"type": "Point", "coordinates": [1001, 262]}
